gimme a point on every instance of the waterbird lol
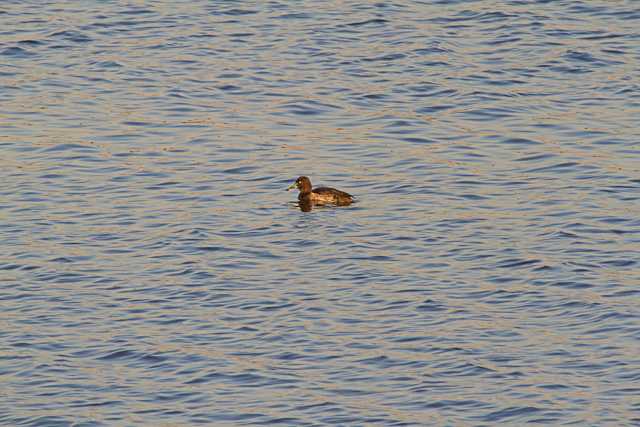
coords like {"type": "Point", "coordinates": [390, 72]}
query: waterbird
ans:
{"type": "Point", "coordinates": [319, 196]}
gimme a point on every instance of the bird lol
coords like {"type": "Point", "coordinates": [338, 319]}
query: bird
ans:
{"type": "Point", "coordinates": [319, 196]}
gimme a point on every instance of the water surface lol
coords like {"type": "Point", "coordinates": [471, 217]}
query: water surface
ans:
{"type": "Point", "coordinates": [155, 272]}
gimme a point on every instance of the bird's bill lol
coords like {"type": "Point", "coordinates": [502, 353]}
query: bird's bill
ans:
{"type": "Point", "coordinates": [292, 186]}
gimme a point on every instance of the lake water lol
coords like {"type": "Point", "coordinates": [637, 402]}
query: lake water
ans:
{"type": "Point", "coordinates": [155, 272]}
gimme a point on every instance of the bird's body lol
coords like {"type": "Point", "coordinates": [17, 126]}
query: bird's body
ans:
{"type": "Point", "coordinates": [327, 195]}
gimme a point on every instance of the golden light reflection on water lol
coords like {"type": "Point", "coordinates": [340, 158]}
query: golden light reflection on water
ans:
{"type": "Point", "coordinates": [155, 268]}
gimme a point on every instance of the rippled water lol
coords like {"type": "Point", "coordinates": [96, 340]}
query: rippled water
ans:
{"type": "Point", "coordinates": [155, 272]}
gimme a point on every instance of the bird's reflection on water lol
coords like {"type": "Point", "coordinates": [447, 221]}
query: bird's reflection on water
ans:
{"type": "Point", "coordinates": [308, 206]}
{"type": "Point", "coordinates": [305, 205]}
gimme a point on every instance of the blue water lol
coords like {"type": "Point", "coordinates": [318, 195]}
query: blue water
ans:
{"type": "Point", "coordinates": [153, 270]}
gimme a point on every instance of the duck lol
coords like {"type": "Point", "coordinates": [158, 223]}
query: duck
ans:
{"type": "Point", "coordinates": [319, 196]}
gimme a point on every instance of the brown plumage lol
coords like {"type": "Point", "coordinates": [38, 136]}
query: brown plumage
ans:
{"type": "Point", "coordinates": [320, 195]}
